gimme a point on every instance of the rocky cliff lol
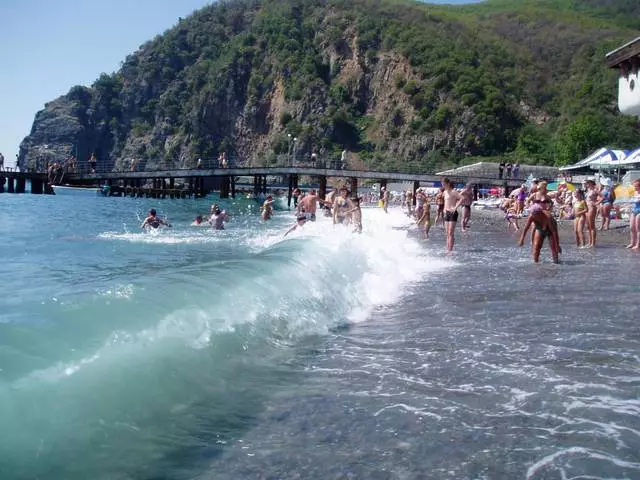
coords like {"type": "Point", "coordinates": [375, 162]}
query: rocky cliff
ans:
{"type": "Point", "coordinates": [400, 84]}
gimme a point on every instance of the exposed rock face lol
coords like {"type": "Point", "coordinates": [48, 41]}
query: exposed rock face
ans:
{"type": "Point", "coordinates": [242, 76]}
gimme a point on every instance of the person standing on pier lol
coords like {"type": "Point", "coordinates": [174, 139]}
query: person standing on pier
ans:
{"type": "Point", "coordinates": [1, 161]}
{"type": "Point", "coordinates": [93, 162]}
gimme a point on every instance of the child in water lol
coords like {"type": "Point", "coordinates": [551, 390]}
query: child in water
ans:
{"type": "Point", "coordinates": [267, 208]}
{"type": "Point", "coordinates": [579, 214]}
{"type": "Point", "coordinates": [356, 215]}
{"type": "Point", "coordinates": [197, 221]}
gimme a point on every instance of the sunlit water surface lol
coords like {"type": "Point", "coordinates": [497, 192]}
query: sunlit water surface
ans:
{"type": "Point", "coordinates": [190, 353]}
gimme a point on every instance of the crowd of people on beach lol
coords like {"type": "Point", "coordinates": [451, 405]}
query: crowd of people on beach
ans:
{"type": "Point", "coordinates": [540, 208]}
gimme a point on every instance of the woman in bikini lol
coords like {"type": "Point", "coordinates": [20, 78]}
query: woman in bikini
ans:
{"type": "Point", "coordinates": [591, 197]}
{"type": "Point", "coordinates": [579, 212]}
{"type": "Point", "coordinates": [545, 227]}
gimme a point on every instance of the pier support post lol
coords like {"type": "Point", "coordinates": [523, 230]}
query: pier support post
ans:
{"type": "Point", "coordinates": [233, 187]}
{"type": "Point", "coordinates": [354, 186]}
{"type": "Point", "coordinates": [322, 193]}
{"type": "Point", "coordinates": [256, 185]}
{"type": "Point", "coordinates": [172, 183]}
{"type": "Point", "coordinates": [2, 180]}
{"type": "Point", "coordinates": [36, 186]}
{"type": "Point", "coordinates": [21, 185]}
{"type": "Point", "coordinates": [224, 187]}
{"type": "Point", "coordinates": [416, 186]}
{"type": "Point", "coordinates": [264, 184]}
{"type": "Point", "coordinates": [10, 187]}
{"type": "Point", "coordinates": [290, 191]}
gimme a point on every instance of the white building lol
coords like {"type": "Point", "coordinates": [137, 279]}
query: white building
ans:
{"type": "Point", "coordinates": [627, 60]}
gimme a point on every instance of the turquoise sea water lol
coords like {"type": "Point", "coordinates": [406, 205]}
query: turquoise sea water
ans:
{"type": "Point", "coordinates": [193, 353]}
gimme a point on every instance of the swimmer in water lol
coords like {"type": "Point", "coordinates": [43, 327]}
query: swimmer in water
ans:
{"type": "Point", "coordinates": [267, 208]}
{"type": "Point", "coordinates": [300, 221]}
{"type": "Point", "coordinates": [153, 221]}
{"type": "Point", "coordinates": [197, 221]}
{"type": "Point", "coordinates": [218, 218]}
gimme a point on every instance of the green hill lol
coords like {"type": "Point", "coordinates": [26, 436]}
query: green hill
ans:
{"type": "Point", "coordinates": [403, 85]}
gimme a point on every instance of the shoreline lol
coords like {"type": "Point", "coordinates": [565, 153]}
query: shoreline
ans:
{"type": "Point", "coordinates": [617, 235]}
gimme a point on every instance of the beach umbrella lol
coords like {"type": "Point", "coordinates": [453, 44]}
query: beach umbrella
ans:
{"type": "Point", "coordinates": [553, 186]}
{"type": "Point", "coordinates": [624, 193]}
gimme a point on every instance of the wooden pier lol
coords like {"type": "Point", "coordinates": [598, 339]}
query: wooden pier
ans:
{"type": "Point", "coordinates": [199, 182]}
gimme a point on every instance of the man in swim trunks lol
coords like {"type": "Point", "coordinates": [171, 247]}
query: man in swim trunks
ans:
{"type": "Point", "coordinates": [309, 204]}
{"type": "Point", "coordinates": [466, 199]}
{"type": "Point", "coordinates": [153, 221]}
{"type": "Point", "coordinates": [545, 227]}
{"type": "Point", "coordinates": [452, 200]}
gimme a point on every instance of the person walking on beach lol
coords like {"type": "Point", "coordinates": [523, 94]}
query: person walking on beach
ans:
{"type": "Point", "coordinates": [466, 197]}
{"type": "Point", "coordinates": [452, 200]}
{"type": "Point", "coordinates": [440, 206]}
{"type": "Point", "coordinates": [545, 227]}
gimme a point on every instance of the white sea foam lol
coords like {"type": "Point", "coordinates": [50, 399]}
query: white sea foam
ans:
{"type": "Point", "coordinates": [323, 275]}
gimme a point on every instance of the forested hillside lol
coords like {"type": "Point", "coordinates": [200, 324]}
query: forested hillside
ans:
{"type": "Point", "coordinates": [401, 84]}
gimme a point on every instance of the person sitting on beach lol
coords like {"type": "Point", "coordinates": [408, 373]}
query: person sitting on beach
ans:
{"type": "Point", "coordinates": [579, 214]}
{"type": "Point", "coordinates": [267, 208]}
{"type": "Point", "coordinates": [300, 221]}
{"type": "Point", "coordinates": [218, 219]}
{"type": "Point", "coordinates": [198, 221]}
{"type": "Point", "coordinates": [153, 221]}
{"type": "Point", "coordinates": [545, 227]}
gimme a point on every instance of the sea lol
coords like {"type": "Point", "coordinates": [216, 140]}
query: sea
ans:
{"type": "Point", "coordinates": [189, 353]}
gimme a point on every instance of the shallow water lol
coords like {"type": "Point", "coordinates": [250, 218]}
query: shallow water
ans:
{"type": "Point", "coordinates": [189, 353]}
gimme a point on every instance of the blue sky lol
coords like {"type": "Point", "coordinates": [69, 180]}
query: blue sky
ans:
{"type": "Point", "coordinates": [48, 46]}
